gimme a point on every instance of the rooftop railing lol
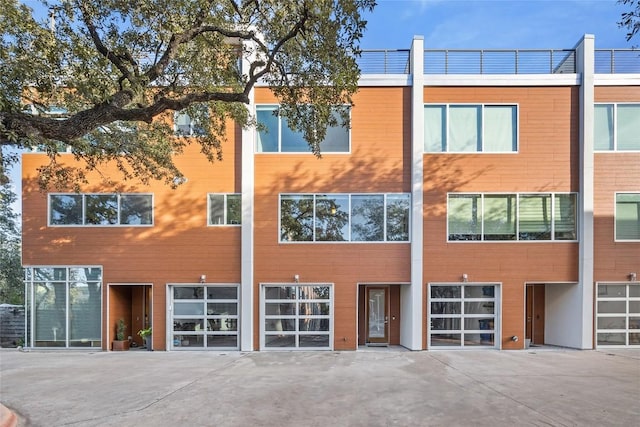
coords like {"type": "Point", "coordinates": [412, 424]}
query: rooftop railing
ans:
{"type": "Point", "coordinates": [617, 61]}
{"type": "Point", "coordinates": [497, 61]}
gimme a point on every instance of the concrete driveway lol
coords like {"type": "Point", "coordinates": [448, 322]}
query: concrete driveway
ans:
{"type": "Point", "coordinates": [388, 387]}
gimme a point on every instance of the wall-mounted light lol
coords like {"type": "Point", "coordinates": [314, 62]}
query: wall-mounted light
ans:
{"type": "Point", "coordinates": [515, 338]}
{"type": "Point", "coordinates": [296, 278]}
{"type": "Point", "coordinates": [633, 277]}
{"type": "Point", "coordinates": [203, 278]}
{"type": "Point", "coordinates": [465, 277]}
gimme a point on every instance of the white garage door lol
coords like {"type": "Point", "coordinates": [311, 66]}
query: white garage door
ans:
{"type": "Point", "coordinates": [618, 315]}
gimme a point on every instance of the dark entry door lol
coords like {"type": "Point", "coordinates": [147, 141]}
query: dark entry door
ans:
{"type": "Point", "coordinates": [535, 313]}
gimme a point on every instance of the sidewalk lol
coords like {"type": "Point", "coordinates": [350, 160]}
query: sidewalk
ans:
{"type": "Point", "coordinates": [361, 388]}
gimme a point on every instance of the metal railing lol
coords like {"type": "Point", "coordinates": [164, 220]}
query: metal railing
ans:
{"type": "Point", "coordinates": [497, 61]}
{"type": "Point", "coordinates": [384, 61]}
{"type": "Point", "coordinates": [617, 61]}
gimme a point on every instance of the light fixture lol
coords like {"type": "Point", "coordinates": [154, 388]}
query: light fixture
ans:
{"type": "Point", "coordinates": [633, 277]}
{"type": "Point", "coordinates": [296, 278]}
{"type": "Point", "coordinates": [514, 338]}
{"type": "Point", "coordinates": [203, 278]}
{"type": "Point", "coordinates": [465, 278]}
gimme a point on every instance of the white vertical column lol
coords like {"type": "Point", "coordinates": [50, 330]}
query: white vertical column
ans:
{"type": "Point", "coordinates": [246, 252]}
{"type": "Point", "coordinates": [411, 332]}
{"type": "Point", "coordinates": [585, 59]}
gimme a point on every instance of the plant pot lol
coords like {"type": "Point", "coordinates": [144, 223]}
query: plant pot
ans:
{"type": "Point", "coordinates": [148, 343]}
{"type": "Point", "coordinates": [120, 345]}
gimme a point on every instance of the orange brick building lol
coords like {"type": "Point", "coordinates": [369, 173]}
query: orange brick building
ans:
{"type": "Point", "coordinates": [480, 199]}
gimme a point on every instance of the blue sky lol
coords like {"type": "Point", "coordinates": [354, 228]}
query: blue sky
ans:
{"type": "Point", "coordinates": [494, 24]}
{"type": "Point", "coordinates": [485, 24]}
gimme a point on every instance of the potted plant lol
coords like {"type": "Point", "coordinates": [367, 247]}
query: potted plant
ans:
{"type": "Point", "coordinates": [145, 334]}
{"type": "Point", "coordinates": [120, 343]}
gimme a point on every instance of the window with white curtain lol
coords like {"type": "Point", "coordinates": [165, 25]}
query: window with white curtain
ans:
{"type": "Point", "coordinates": [496, 217]}
{"type": "Point", "coordinates": [470, 128]}
{"type": "Point", "coordinates": [628, 216]}
{"type": "Point", "coordinates": [617, 127]}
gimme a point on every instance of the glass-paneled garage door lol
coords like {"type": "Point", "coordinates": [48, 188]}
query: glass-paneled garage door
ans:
{"type": "Point", "coordinates": [618, 315]}
{"type": "Point", "coordinates": [204, 317]}
{"type": "Point", "coordinates": [463, 315]}
{"type": "Point", "coordinates": [296, 317]}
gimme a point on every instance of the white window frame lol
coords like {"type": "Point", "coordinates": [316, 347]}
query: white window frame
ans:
{"type": "Point", "coordinates": [615, 128]}
{"type": "Point", "coordinates": [296, 317]}
{"type": "Point", "coordinates": [205, 317]}
{"type": "Point", "coordinates": [84, 209]}
{"type": "Point", "coordinates": [627, 315]}
{"type": "Point", "coordinates": [615, 217]}
{"type": "Point", "coordinates": [482, 127]}
{"type": "Point", "coordinates": [517, 213]}
{"type": "Point", "coordinates": [279, 136]}
{"type": "Point", "coordinates": [497, 316]}
{"type": "Point", "coordinates": [348, 240]}
{"type": "Point", "coordinates": [193, 124]}
{"type": "Point", "coordinates": [225, 213]}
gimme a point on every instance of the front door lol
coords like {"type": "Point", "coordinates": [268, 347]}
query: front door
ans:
{"type": "Point", "coordinates": [535, 313]}
{"type": "Point", "coordinates": [377, 316]}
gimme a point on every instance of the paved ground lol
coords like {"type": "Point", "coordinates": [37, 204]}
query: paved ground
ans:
{"type": "Point", "coordinates": [364, 388]}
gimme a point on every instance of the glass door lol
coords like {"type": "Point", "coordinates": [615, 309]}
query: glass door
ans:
{"type": "Point", "coordinates": [377, 316]}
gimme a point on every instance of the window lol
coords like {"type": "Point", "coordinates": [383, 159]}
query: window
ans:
{"type": "Point", "coordinates": [297, 317]}
{"type": "Point", "coordinates": [617, 127]}
{"type": "Point", "coordinates": [496, 217]}
{"type": "Point", "coordinates": [618, 315]}
{"type": "Point", "coordinates": [64, 306]}
{"type": "Point", "coordinates": [344, 217]}
{"type": "Point", "coordinates": [470, 128]}
{"type": "Point", "coordinates": [186, 125]}
{"type": "Point", "coordinates": [225, 209]}
{"type": "Point", "coordinates": [204, 317]}
{"type": "Point", "coordinates": [463, 316]}
{"type": "Point", "coordinates": [100, 209]}
{"type": "Point", "coordinates": [628, 216]}
{"type": "Point", "coordinates": [277, 137]}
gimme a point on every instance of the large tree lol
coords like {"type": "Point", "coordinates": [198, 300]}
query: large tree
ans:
{"type": "Point", "coordinates": [103, 76]}
{"type": "Point", "coordinates": [11, 277]}
{"type": "Point", "coordinates": [631, 19]}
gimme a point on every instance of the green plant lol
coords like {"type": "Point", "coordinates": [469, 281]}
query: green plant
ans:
{"type": "Point", "coordinates": [121, 329]}
{"type": "Point", "coordinates": [145, 332]}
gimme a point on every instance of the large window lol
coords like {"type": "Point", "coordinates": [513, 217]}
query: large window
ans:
{"type": "Point", "coordinates": [64, 306]}
{"type": "Point", "coordinates": [225, 209]}
{"type": "Point", "coordinates": [495, 217]}
{"type": "Point", "coordinates": [470, 128]}
{"type": "Point", "coordinates": [100, 209]}
{"type": "Point", "coordinates": [344, 217]}
{"type": "Point", "coordinates": [618, 315]}
{"type": "Point", "coordinates": [463, 316]}
{"type": "Point", "coordinates": [296, 317]}
{"type": "Point", "coordinates": [276, 136]}
{"type": "Point", "coordinates": [204, 317]}
{"type": "Point", "coordinates": [628, 216]}
{"type": "Point", "coordinates": [617, 127]}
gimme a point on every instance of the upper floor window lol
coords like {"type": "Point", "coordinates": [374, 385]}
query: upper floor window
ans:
{"type": "Point", "coordinates": [491, 217]}
{"type": "Point", "coordinates": [344, 217]}
{"type": "Point", "coordinates": [100, 209]}
{"type": "Point", "coordinates": [617, 127]}
{"type": "Point", "coordinates": [628, 216]}
{"type": "Point", "coordinates": [277, 137]}
{"type": "Point", "coordinates": [185, 125]}
{"type": "Point", "coordinates": [464, 128]}
{"type": "Point", "coordinates": [224, 209]}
